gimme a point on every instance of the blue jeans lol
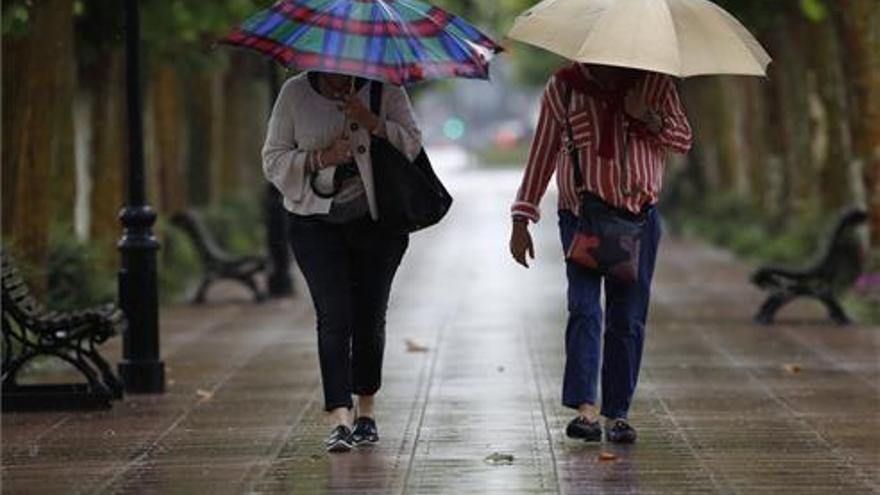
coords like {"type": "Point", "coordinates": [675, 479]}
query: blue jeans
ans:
{"type": "Point", "coordinates": [626, 310]}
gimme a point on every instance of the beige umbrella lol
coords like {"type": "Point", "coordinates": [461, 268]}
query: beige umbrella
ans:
{"type": "Point", "coordinates": [677, 37]}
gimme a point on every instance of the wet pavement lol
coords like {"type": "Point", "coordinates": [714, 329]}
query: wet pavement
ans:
{"type": "Point", "coordinates": [723, 406]}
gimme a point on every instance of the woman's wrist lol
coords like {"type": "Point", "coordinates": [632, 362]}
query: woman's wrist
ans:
{"type": "Point", "coordinates": [315, 162]}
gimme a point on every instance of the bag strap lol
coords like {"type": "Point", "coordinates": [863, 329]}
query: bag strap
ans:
{"type": "Point", "coordinates": [376, 97]}
{"type": "Point", "coordinates": [575, 157]}
{"type": "Point", "coordinates": [569, 144]}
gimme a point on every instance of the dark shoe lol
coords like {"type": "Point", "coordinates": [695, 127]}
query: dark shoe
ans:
{"type": "Point", "coordinates": [620, 431]}
{"type": "Point", "coordinates": [365, 432]}
{"type": "Point", "coordinates": [339, 439]}
{"type": "Point", "coordinates": [580, 428]}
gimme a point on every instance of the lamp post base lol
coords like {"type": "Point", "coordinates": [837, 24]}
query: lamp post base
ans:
{"type": "Point", "coordinates": [143, 377]}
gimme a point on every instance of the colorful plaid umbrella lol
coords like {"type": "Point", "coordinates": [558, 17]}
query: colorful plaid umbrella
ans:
{"type": "Point", "coordinates": [396, 41]}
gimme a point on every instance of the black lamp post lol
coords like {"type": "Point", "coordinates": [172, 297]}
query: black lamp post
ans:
{"type": "Point", "coordinates": [141, 370]}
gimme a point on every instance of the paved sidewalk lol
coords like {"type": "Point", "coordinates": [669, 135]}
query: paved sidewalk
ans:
{"type": "Point", "coordinates": [723, 406]}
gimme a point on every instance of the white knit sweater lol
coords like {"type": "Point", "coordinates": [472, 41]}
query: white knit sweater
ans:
{"type": "Point", "coordinates": [304, 121]}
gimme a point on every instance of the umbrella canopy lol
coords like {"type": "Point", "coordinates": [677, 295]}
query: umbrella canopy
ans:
{"type": "Point", "coordinates": [677, 37]}
{"type": "Point", "coordinates": [396, 41]}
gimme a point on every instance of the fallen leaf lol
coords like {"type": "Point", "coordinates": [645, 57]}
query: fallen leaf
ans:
{"type": "Point", "coordinates": [204, 395]}
{"type": "Point", "coordinates": [607, 456]}
{"type": "Point", "coordinates": [792, 368]}
{"type": "Point", "coordinates": [413, 346]}
{"type": "Point", "coordinates": [499, 459]}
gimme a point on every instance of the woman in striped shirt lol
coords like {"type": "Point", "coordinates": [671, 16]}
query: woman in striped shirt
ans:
{"type": "Point", "coordinates": [624, 122]}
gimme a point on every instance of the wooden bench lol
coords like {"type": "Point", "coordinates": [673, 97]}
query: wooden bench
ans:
{"type": "Point", "coordinates": [217, 263]}
{"type": "Point", "coordinates": [31, 331]}
{"type": "Point", "coordinates": [837, 269]}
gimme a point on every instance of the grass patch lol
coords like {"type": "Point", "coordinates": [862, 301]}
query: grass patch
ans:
{"type": "Point", "coordinates": [494, 157]}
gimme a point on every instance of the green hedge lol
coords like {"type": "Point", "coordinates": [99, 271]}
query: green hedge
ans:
{"type": "Point", "coordinates": [734, 224]}
{"type": "Point", "coordinates": [83, 274]}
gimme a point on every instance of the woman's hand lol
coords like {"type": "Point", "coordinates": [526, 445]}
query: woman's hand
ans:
{"type": "Point", "coordinates": [521, 243]}
{"type": "Point", "coordinates": [357, 112]}
{"type": "Point", "coordinates": [637, 108]}
{"type": "Point", "coordinates": [338, 153]}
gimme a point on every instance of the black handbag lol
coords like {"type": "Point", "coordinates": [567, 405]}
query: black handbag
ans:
{"type": "Point", "coordinates": [607, 240]}
{"type": "Point", "coordinates": [409, 195]}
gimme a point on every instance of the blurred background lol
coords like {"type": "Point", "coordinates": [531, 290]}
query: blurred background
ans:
{"type": "Point", "coordinates": [773, 164]}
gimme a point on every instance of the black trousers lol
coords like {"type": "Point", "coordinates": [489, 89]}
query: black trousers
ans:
{"type": "Point", "coordinates": [349, 269]}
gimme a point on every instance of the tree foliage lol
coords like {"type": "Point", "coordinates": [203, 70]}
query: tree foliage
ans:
{"type": "Point", "coordinates": [16, 16]}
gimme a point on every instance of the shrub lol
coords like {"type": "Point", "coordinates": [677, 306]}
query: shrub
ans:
{"type": "Point", "coordinates": [79, 273]}
{"type": "Point", "coordinates": [237, 224]}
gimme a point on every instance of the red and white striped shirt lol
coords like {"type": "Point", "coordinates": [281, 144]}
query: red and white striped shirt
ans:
{"type": "Point", "coordinates": [645, 155]}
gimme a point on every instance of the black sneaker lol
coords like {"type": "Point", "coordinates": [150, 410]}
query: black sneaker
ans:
{"type": "Point", "coordinates": [620, 431]}
{"type": "Point", "coordinates": [580, 428]}
{"type": "Point", "coordinates": [365, 432]}
{"type": "Point", "coordinates": [339, 439]}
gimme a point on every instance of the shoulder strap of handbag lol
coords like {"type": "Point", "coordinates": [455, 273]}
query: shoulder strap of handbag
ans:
{"type": "Point", "coordinates": [569, 144]}
{"type": "Point", "coordinates": [376, 97]}
{"type": "Point", "coordinates": [573, 152]}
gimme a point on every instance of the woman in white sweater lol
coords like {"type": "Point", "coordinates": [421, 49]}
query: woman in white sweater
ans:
{"type": "Point", "coordinates": [317, 153]}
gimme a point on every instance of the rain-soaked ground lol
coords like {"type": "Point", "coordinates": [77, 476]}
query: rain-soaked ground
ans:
{"type": "Point", "coordinates": [723, 406]}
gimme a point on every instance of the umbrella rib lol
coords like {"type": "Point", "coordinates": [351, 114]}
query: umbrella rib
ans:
{"type": "Point", "coordinates": [390, 14]}
{"type": "Point", "coordinates": [677, 38]}
{"type": "Point", "coordinates": [460, 42]}
{"type": "Point", "coordinates": [403, 23]}
{"type": "Point", "coordinates": [743, 37]}
{"type": "Point", "coordinates": [746, 38]}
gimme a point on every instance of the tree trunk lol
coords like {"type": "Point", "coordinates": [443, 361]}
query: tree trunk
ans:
{"type": "Point", "coordinates": [724, 111]}
{"type": "Point", "coordinates": [170, 181]}
{"type": "Point", "coordinates": [835, 170]}
{"type": "Point", "coordinates": [216, 129]}
{"type": "Point", "coordinates": [757, 151]}
{"type": "Point", "coordinates": [245, 119]}
{"type": "Point", "coordinates": [62, 183]}
{"type": "Point", "coordinates": [205, 131]}
{"type": "Point", "coordinates": [857, 22]}
{"type": "Point", "coordinates": [234, 92]}
{"type": "Point", "coordinates": [799, 175]}
{"type": "Point", "coordinates": [37, 109]}
{"type": "Point", "coordinates": [697, 97]}
{"type": "Point", "coordinates": [791, 119]}
{"type": "Point", "coordinates": [109, 163]}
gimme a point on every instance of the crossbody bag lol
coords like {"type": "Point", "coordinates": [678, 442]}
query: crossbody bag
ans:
{"type": "Point", "coordinates": [607, 240]}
